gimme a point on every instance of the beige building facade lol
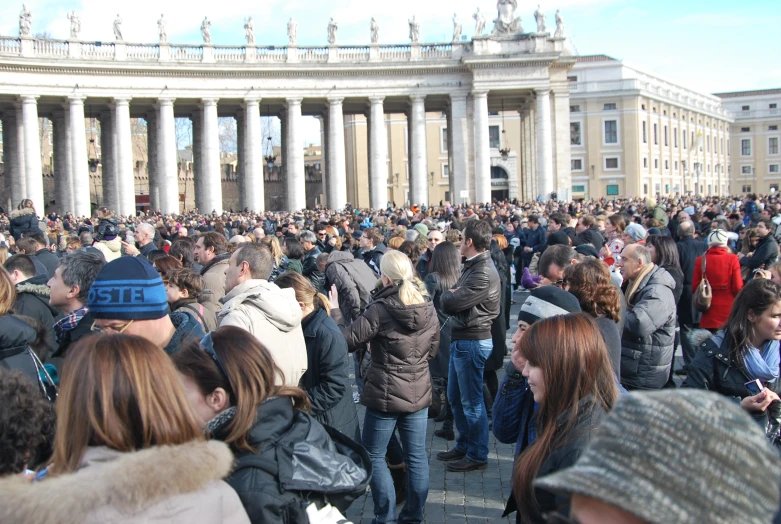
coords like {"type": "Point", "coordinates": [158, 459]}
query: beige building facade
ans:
{"type": "Point", "coordinates": [755, 151]}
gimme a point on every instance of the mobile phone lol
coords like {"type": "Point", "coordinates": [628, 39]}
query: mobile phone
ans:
{"type": "Point", "coordinates": [754, 387]}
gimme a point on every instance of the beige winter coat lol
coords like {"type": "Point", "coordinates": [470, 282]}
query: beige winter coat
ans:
{"type": "Point", "coordinates": [166, 484]}
{"type": "Point", "coordinates": [111, 249]}
{"type": "Point", "coordinates": [274, 317]}
{"type": "Point", "coordinates": [214, 283]}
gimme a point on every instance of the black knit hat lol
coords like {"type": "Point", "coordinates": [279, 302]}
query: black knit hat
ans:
{"type": "Point", "coordinates": [546, 302]}
{"type": "Point", "coordinates": [558, 238]}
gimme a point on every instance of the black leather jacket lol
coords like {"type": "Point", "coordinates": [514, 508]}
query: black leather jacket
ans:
{"type": "Point", "coordinates": [474, 303]}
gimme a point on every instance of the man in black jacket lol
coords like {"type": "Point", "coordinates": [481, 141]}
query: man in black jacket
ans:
{"type": "Point", "coordinates": [373, 248]}
{"type": "Point", "coordinates": [39, 250]}
{"type": "Point", "coordinates": [766, 252]}
{"type": "Point", "coordinates": [588, 233]}
{"type": "Point", "coordinates": [69, 288]}
{"type": "Point", "coordinates": [688, 250]}
{"type": "Point", "coordinates": [473, 304]}
{"type": "Point", "coordinates": [309, 263]}
{"type": "Point", "coordinates": [32, 294]}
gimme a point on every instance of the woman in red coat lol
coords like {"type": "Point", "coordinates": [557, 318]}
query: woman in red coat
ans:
{"type": "Point", "coordinates": [723, 271]}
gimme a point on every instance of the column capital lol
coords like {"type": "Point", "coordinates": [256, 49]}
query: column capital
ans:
{"type": "Point", "coordinates": [542, 91]}
{"type": "Point", "coordinates": [28, 99]}
{"type": "Point", "coordinates": [122, 100]}
{"type": "Point", "coordinates": [293, 101]}
{"type": "Point", "coordinates": [417, 98]}
{"type": "Point", "coordinates": [252, 101]}
{"type": "Point", "coordinates": [76, 99]}
{"type": "Point", "coordinates": [376, 99]}
{"type": "Point", "coordinates": [209, 101]}
{"type": "Point", "coordinates": [335, 100]}
{"type": "Point", "coordinates": [165, 101]}
{"type": "Point", "coordinates": [480, 93]}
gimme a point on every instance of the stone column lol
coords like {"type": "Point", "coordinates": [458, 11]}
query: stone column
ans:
{"type": "Point", "coordinates": [108, 169]}
{"type": "Point", "coordinates": [79, 165]}
{"type": "Point", "coordinates": [544, 145]}
{"type": "Point", "coordinates": [283, 170]}
{"type": "Point", "coordinates": [325, 170]}
{"type": "Point", "coordinates": [418, 152]}
{"type": "Point", "coordinates": [21, 189]}
{"type": "Point", "coordinates": [378, 155]}
{"type": "Point", "coordinates": [561, 153]}
{"type": "Point", "coordinates": [241, 156]}
{"type": "Point", "coordinates": [296, 187]}
{"type": "Point", "coordinates": [482, 148]}
{"type": "Point", "coordinates": [123, 157]}
{"type": "Point", "coordinates": [254, 189]}
{"type": "Point", "coordinates": [11, 161]}
{"type": "Point", "coordinates": [210, 156]}
{"type": "Point", "coordinates": [337, 170]}
{"type": "Point", "coordinates": [459, 139]}
{"type": "Point", "coordinates": [449, 119]}
{"type": "Point", "coordinates": [153, 170]}
{"type": "Point", "coordinates": [166, 157]}
{"type": "Point", "coordinates": [32, 154]}
{"type": "Point", "coordinates": [195, 118]}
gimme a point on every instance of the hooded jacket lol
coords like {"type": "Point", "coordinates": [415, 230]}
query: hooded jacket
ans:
{"type": "Point", "coordinates": [213, 275]}
{"type": "Point", "coordinates": [647, 342]}
{"type": "Point", "coordinates": [374, 257]}
{"type": "Point", "coordinates": [23, 221]}
{"type": "Point", "coordinates": [186, 327]}
{"type": "Point", "coordinates": [164, 484]}
{"type": "Point", "coordinates": [354, 282]}
{"type": "Point", "coordinates": [403, 340]}
{"type": "Point", "coordinates": [32, 300]}
{"type": "Point", "coordinates": [16, 336]}
{"type": "Point", "coordinates": [273, 316]}
{"type": "Point", "coordinates": [298, 461]}
{"type": "Point", "coordinates": [110, 249]}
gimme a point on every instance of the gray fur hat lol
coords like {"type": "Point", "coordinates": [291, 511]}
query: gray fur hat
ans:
{"type": "Point", "coordinates": [683, 456]}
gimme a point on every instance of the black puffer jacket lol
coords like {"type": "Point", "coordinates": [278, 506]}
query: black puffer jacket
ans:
{"type": "Point", "coordinates": [32, 300]}
{"type": "Point", "coordinates": [298, 461]}
{"type": "Point", "coordinates": [16, 336]}
{"type": "Point", "coordinates": [326, 380]}
{"type": "Point", "coordinates": [476, 301]}
{"type": "Point", "coordinates": [23, 221]}
{"type": "Point", "coordinates": [374, 257]}
{"type": "Point", "coordinates": [403, 339]}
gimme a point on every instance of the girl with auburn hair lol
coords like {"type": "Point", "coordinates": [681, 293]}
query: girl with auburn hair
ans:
{"type": "Point", "coordinates": [590, 282]}
{"type": "Point", "coordinates": [128, 447]}
{"type": "Point", "coordinates": [229, 378]}
{"type": "Point", "coordinates": [569, 374]}
{"type": "Point", "coordinates": [326, 380]}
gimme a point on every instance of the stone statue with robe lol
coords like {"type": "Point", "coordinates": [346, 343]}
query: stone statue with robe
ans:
{"type": "Point", "coordinates": [75, 25]}
{"type": "Point", "coordinates": [559, 25]}
{"type": "Point", "coordinates": [332, 27]}
{"type": "Point", "coordinates": [206, 31]}
{"type": "Point", "coordinates": [162, 29]}
{"type": "Point", "coordinates": [539, 17]}
{"type": "Point", "coordinates": [292, 32]}
{"type": "Point", "coordinates": [25, 21]}
{"type": "Point", "coordinates": [249, 31]}
{"type": "Point", "coordinates": [506, 22]}
{"type": "Point", "coordinates": [118, 27]}
{"type": "Point", "coordinates": [414, 30]}
{"type": "Point", "coordinates": [479, 22]}
{"type": "Point", "coordinates": [456, 28]}
{"type": "Point", "coordinates": [375, 28]}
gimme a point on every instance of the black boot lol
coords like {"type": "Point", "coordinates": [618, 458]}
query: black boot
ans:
{"type": "Point", "coordinates": [446, 432]}
{"type": "Point", "coordinates": [399, 475]}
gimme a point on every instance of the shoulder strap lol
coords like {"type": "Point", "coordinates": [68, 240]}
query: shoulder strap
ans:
{"type": "Point", "coordinates": [703, 266]}
{"type": "Point", "coordinates": [191, 308]}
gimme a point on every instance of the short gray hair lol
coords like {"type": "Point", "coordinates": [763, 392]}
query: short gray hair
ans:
{"type": "Point", "coordinates": [258, 257]}
{"type": "Point", "coordinates": [307, 236]}
{"type": "Point", "coordinates": [642, 254]}
{"type": "Point", "coordinates": [81, 268]}
{"type": "Point", "coordinates": [686, 228]}
{"type": "Point", "coordinates": [146, 228]}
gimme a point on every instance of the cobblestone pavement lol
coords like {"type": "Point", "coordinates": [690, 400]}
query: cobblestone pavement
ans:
{"type": "Point", "coordinates": [459, 498]}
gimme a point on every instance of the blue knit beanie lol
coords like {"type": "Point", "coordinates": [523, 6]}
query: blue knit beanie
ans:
{"type": "Point", "coordinates": [128, 288]}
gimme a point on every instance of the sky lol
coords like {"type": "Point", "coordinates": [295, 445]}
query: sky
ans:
{"type": "Point", "coordinates": [709, 46]}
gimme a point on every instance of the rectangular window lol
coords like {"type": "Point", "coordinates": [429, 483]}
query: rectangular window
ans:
{"type": "Point", "coordinates": [611, 131]}
{"type": "Point", "coordinates": [746, 189]}
{"type": "Point", "coordinates": [745, 108]}
{"type": "Point", "coordinates": [676, 165]}
{"type": "Point", "coordinates": [745, 170]}
{"type": "Point", "coordinates": [773, 106]}
{"type": "Point", "coordinates": [772, 168]}
{"type": "Point", "coordinates": [609, 107]}
{"type": "Point", "coordinates": [745, 129]}
{"type": "Point", "coordinates": [443, 147]}
{"type": "Point", "coordinates": [574, 109]}
{"type": "Point", "coordinates": [684, 139]}
{"type": "Point", "coordinates": [666, 165]}
{"type": "Point", "coordinates": [611, 163]}
{"type": "Point", "coordinates": [575, 138]}
{"type": "Point", "coordinates": [493, 137]}
{"type": "Point", "coordinates": [656, 135]}
{"type": "Point", "coordinates": [447, 196]}
{"type": "Point", "coordinates": [708, 144]}
{"type": "Point", "coordinates": [579, 189]}
{"type": "Point", "coordinates": [772, 128]}
{"type": "Point", "coordinates": [576, 164]}
{"type": "Point", "coordinates": [772, 145]}
{"type": "Point", "coordinates": [665, 137]}
{"type": "Point", "coordinates": [612, 189]}
{"type": "Point", "coordinates": [645, 133]}
{"type": "Point", "coordinates": [572, 78]}
{"type": "Point", "coordinates": [645, 162]}
{"type": "Point", "coordinates": [745, 148]}
{"type": "Point", "coordinates": [445, 171]}
{"type": "Point", "coordinates": [656, 163]}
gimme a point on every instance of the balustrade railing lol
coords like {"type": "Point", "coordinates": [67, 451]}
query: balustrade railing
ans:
{"type": "Point", "coordinates": [229, 54]}
{"type": "Point", "coordinates": [271, 54]}
{"type": "Point", "coordinates": [313, 54]}
{"type": "Point", "coordinates": [10, 46]}
{"type": "Point", "coordinates": [97, 51]}
{"type": "Point", "coordinates": [395, 52]}
{"type": "Point", "coordinates": [50, 48]}
{"type": "Point", "coordinates": [143, 52]}
{"type": "Point", "coordinates": [436, 51]}
{"type": "Point", "coordinates": [354, 53]}
{"type": "Point", "coordinates": [186, 52]}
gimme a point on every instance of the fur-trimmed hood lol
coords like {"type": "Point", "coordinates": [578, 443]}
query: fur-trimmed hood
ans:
{"type": "Point", "coordinates": [22, 212]}
{"type": "Point", "coordinates": [169, 483]}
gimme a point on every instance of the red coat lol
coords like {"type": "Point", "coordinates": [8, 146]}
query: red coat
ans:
{"type": "Point", "coordinates": [723, 270]}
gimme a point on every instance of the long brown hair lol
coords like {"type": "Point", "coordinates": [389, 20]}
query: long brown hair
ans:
{"type": "Point", "coordinates": [250, 371]}
{"type": "Point", "coordinates": [7, 292]}
{"type": "Point", "coordinates": [590, 282]}
{"type": "Point", "coordinates": [305, 291]}
{"type": "Point", "coordinates": [122, 392]}
{"type": "Point", "coordinates": [575, 364]}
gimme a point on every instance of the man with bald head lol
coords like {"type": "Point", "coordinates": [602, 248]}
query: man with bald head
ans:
{"type": "Point", "coordinates": [145, 236]}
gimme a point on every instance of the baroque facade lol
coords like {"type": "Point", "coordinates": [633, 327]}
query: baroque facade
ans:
{"type": "Point", "coordinates": [64, 81]}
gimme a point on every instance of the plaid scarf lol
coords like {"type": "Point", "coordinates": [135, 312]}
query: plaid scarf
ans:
{"type": "Point", "coordinates": [63, 326]}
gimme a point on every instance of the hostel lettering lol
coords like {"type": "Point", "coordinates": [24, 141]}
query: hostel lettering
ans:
{"type": "Point", "coordinates": [122, 295]}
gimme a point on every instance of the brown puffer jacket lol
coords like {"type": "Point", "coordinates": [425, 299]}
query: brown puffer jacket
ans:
{"type": "Point", "coordinates": [402, 339]}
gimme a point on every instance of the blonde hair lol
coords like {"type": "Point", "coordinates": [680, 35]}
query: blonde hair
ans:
{"type": "Point", "coordinates": [3, 254]}
{"type": "Point", "coordinates": [276, 249]}
{"type": "Point", "coordinates": [395, 242]}
{"type": "Point", "coordinates": [7, 292]}
{"type": "Point", "coordinates": [305, 291]}
{"type": "Point", "coordinates": [396, 267]}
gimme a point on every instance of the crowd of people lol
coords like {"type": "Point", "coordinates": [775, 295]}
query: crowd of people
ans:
{"type": "Point", "coordinates": [197, 367]}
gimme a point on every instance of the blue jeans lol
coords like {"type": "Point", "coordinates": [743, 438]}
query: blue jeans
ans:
{"type": "Point", "coordinates": [465, 395]}
{"type": "Point", "coordinates": [378, 427]}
